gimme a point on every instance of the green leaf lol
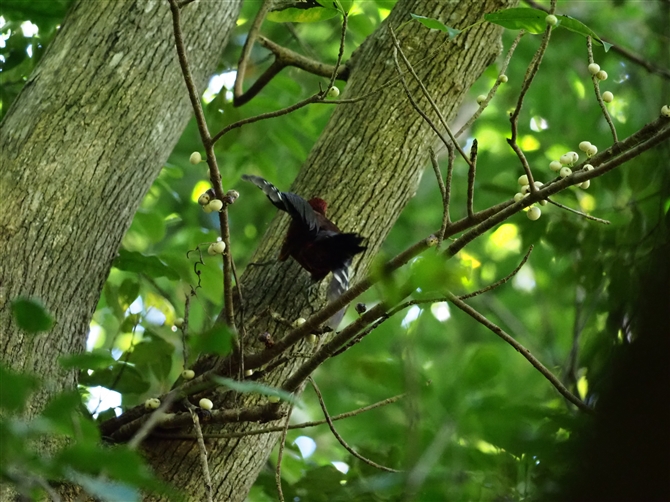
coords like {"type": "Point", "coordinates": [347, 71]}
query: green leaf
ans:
{"type": "Point", "coordinates": [519, 18]}
{"type": "Point", "coordinates": [302, 15]}
{"type": "Point", "coordinates": [248, 387]}
{"type": "Point", "coordinates": [151, 224]}
{"type": "Point", "coordinates": [98, 359]}
{"type": "Point", "coordinates": [570, 23]}
{"type": "Point", "coordinates": [31, 316]}
{"type": "Point", "coordinates": [132, 261]}
{"type": "Point", "coordinates": [216, 340]}
{"type": "Point", "coordinates": [15, 389]}
{"type": "Point", "coordinates": [121, 377]}
{"type": "Point", "coordinates": [435, 24]}
{"type": "Point", "coordinates": [128, 292]}
{"type": "Point", "coordinates": [154, 355]}
{"type": "Point", "coordinates": [105, 490]}
{"type": "Point", "coordinates": [63, 413]}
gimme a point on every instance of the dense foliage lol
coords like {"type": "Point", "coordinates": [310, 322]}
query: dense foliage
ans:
{"type": "Point", "coordinates": [477, 422]}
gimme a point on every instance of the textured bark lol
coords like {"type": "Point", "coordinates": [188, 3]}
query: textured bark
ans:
{"type": "Point", "coordinates": [80, 147]}
{"type": "Point", "coordinates": [367, 165]}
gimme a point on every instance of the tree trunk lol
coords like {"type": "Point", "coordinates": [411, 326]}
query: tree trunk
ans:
{"type": "Point", "coordinates": [367, 165]}
{"type": "Point", "coordinates": [80, 147]}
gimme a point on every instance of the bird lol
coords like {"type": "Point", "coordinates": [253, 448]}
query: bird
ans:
{"type": "Point", "coordinates": [312, 240]}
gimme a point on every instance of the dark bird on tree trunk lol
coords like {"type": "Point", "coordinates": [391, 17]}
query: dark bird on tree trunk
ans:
{"type": "Point", "coordinates": [313, 240]}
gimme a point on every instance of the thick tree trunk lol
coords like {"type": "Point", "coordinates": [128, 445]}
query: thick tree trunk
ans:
{"type": "Point", "coordinates": [367, 165]}
{"type": "Point", "coordinates": [80, 147]}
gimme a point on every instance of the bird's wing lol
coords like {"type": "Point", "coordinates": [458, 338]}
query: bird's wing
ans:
{"type": "Point", "coordinates": [297, 207]}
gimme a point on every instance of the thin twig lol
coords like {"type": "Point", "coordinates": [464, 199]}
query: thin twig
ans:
{"type": "Point", "coordinates": [532, 70]}
{"type": "Point", "coordinates": [289, 58]}
{"type": "Point", "coordinates": [445, 196]}
{"type": "Point", "coordinates": [430, 99]}
{"type": "Point", "coordinates": [248, 45]}
{"type": "Point", "coordinates": [203, 452]}
{"type": "Point", "coordinates": [501, 281]}
{"type": "Point", "coordinates": [314, 98]}
{"type": "Point", "coordinates": [340, 438]}
{"type": "Point", "coordinates": [471, 178]}
{"type": "Point", "coordinates": [152, 422]}
{"type": "Point", "coordinates": [415, 105]}
{"type": "Point", "coordinates": [583, 215]}
{"type": "Point", "coordinates": [282, 442]}
{"type": "Point", "coordinates": [208, 143]}
{"type": "Point", "coordinates": [343, 34]}
{"type": "Point", "coordinates": [596, 88]}
{"type": "Point", "coordinates": [523, 351]}
{"type": "Point", "coordinates": [492, 92]}
{"type": "Point", "coordinates": [304, 425]}
{"type": "Point", "coordinates": [184, 327]}
{"type": "Point", "coordinates": [627, 53]}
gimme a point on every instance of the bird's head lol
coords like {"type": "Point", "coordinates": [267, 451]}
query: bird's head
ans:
{"type": "Point", "coordinates": [319, 205]}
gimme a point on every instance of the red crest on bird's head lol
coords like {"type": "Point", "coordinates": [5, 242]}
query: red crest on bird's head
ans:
{"type": "Point", "coordinates": [319, 205]}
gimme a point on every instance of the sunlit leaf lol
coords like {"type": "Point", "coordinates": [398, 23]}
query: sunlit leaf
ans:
{"type": "Point", "coordinates": [132, 261]}
{"type": "Point", "coordinates": [519, 18]}
{"type": "Point", "coordinates": [435, 24]}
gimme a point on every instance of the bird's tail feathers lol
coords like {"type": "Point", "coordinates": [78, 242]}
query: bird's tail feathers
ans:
{"type": "Point", "coordinates": [339, 284]}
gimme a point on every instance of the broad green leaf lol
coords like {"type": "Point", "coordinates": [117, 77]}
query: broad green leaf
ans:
{"type": "Point", "coordinates": [132, 261]}
{"type": "Point", "coordinates": [572, 24]}
{"type": "Point", "coordinates": [249, 387]}
{"type": "Point", "coordinates": [121, 377]}
{"type": "Point", "coordinates": [31, 316]}
{"type": "Point", "coordinates": [216, 340]}
{"type": "Point", "coordinates": [154, 355]}
{"type": "Point", "coordinates": [15, 389]}
{"type": "Point", "coordinates": [435, 24]}
{"type": "Point", "coordinates": [519, 18]}
{"type": "Point", "coordinates": [98, 359]}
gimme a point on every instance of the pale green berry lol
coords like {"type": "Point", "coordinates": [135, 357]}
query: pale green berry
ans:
{"type": "Point", "coordinates": [503, 79]}
{"type": "Point", "coordinates": [152, 403]}
{"type": "Point", "coordinates": [312, 339]}
{"type": "Point", "coordinates": [525, 189]}
{"type": "Point", "coordinates": [588, 167]}
{"type": "Point", "coordinates": [188, 374]}
{"type": "Point", "coordinates": [179, 322]}
{"type": "Point", "coordinates": [584, 145]}
{"type": "Point", "coordinates": [565, 160]}
{"type": "Point", "coordinates": [591, 151]}
{"type": "Point", "coordinates": [206, 404]}
{"type": "Point", "coordinates": [195, 158]}
{"type": "Point", "coordinates": [248, 372]}
{"type": "Point", "coordinates": [273, 399]}
{"type": "Point", "coordinates": [543, 202]}
{"type": "Point", "coordinates": [214, 206]}
{"type": "Point", "coordinates": [518, 197]}
{"type": "Point", "coordinates": [565, 172]}
{"type": "Point", "coordinates": [298, 322]}
{"type": "Point", "coordinates": [551, 20]}
{"type": "Point", "coordinates": [555, 165]}
{"type": "Point", "coordinates": [204, 199]}
{"type": "Point", "coordinates": [333, 92]}
{"type": "Point", "coordinates": [608, 97]}
{"type": "Point", "coordinates": [216, 248]}
{"type": "Point", "coordinates": [665, 111]}
{"type": "Point", "coordinates": [594, 68]}
{"type": "Point", "coordinates": [585, 184]}
{"type": "Point", "coordinates": [601, 75]}
{"type": "Point", "coordinates": [523, 180]}
{"type": "Point", "coordinates": [538, 184]}
{"type": "Point", "coordinates": [534, 213]}
{"type": "Point", "coordinates": [481, 98]}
